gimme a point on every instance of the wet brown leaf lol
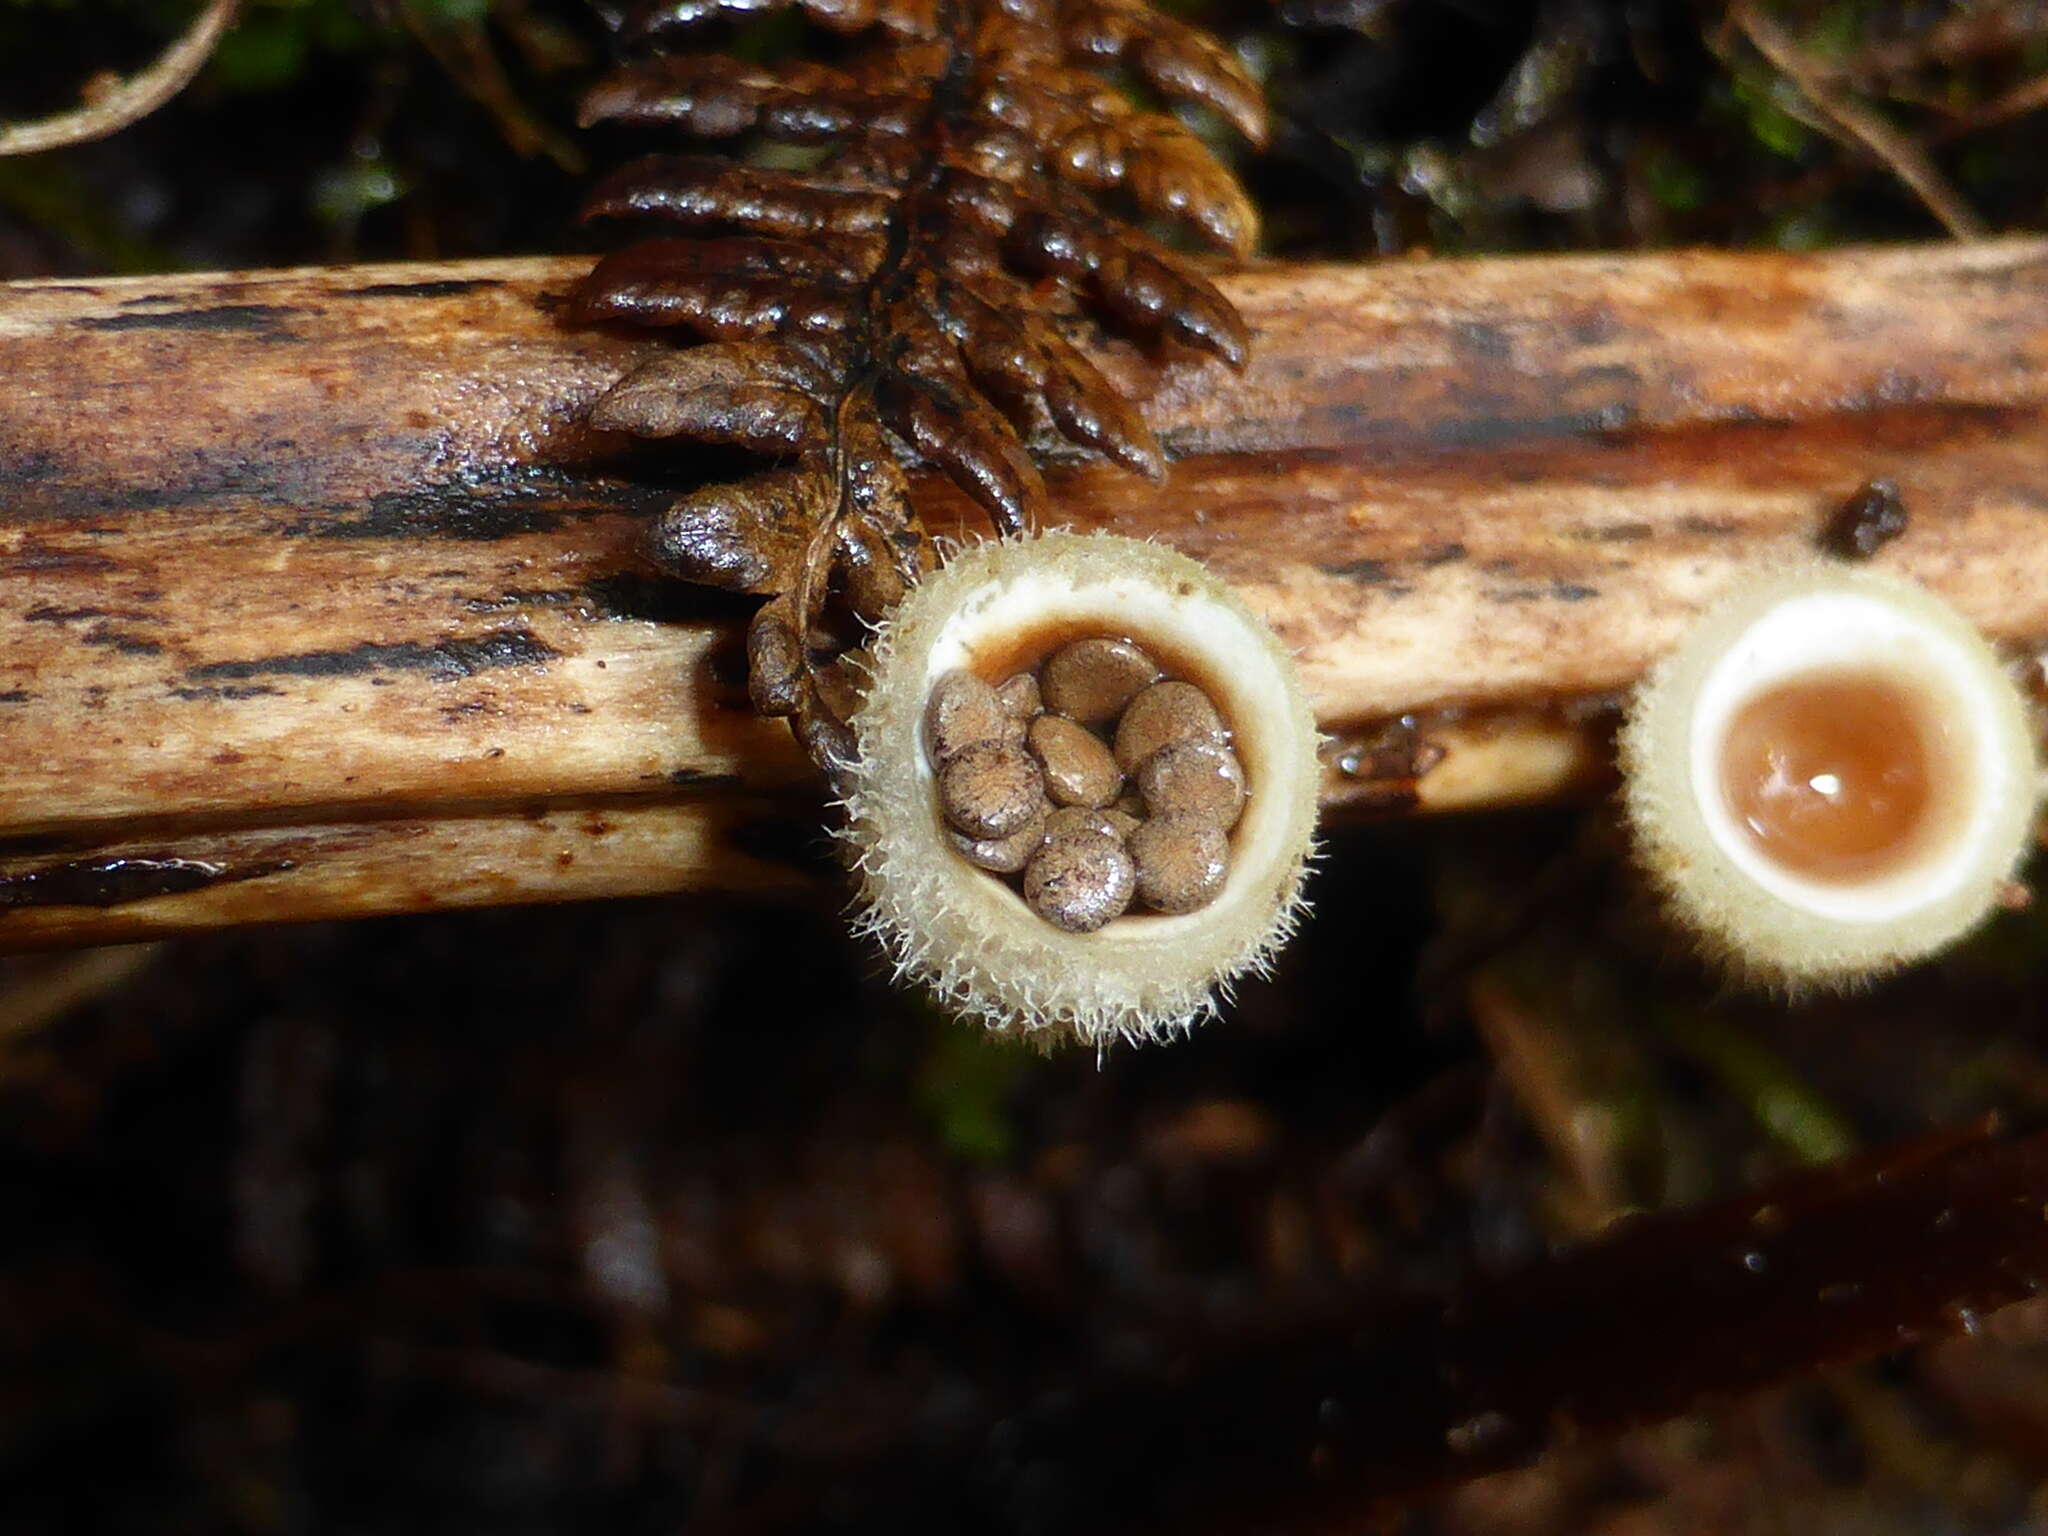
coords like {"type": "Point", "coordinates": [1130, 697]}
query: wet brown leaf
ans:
{"type": "Point", "coordinates": [903, 276]}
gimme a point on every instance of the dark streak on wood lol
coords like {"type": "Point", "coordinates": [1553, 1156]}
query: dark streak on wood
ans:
{"type": "Point", "coordinates": [249, 691]}
{"type": "Point", "coordinates": [1372, 572]}
{"type": "Point", "coordinates": [120, 640]}
{"type": "Point", "coordinates": [640, 597]}
{"type": "Point", "coordinates": [442, 288]}
{"type": "Point", "coordinates": [693, 778]}
{"type": "Point", "coordinates": [264, 320]}
{"type": "Point", "coordinates": [447, 660]}
{"type": "Point", "coordinates": [104, 883]}
{"type": "Point", "coordinates": [35, 558]}
{"type": "Point", "coordinates": [482, 509]}
{"type": "Point", "coordinates": [1484, 338]}
{"type": "Point", "coordinates": [262, 473]}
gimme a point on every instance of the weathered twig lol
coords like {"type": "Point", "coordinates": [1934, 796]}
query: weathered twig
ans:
{"type": "Point", "coordinates": [1329, 1423]}
{"type": "Point", "coordinates": [2027, 97]}
{"type": "Point", "coordinates": [113, 107]}
{"type": "Point", "coordinates": [317, 599]}
{"type": "Point", "coordinates": [1859, 123]}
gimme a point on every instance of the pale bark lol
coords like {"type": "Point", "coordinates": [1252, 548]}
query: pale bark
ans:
{"type": "Point", "coordinates": [319, 601]}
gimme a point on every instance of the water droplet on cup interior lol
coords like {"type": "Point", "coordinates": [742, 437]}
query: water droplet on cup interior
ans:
{"type": "Point", "coordinates": [1836, 776]}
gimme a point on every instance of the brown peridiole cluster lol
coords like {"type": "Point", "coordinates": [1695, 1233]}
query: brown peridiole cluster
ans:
{"type": "Point", "coordinates": [1095, 779]}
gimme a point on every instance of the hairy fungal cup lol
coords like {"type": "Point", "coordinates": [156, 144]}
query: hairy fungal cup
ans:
{"type": "Point", "coordinates": [1085, 790]}
{"type": "Point", "coordinates": [1831, 776]}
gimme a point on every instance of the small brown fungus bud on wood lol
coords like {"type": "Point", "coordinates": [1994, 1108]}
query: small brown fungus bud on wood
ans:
{"type": "Point", "coordinates": [1079, 881]}
{"type": "Point", "coordinates": [1182, 862]}
{"type": "Point", "coordinates": [1002, 855]}
{"type": "Point", "coordinates": [1092, 680]}
{"type": "Point", "coordinates": [991, 789]}
{"type": "Point", "coordinates": [963, 710]}
{"type": "Point", "coordinates": [1078, 767]}
{"type": "Point", "coordinates": [1866, 522]}
{"type": "Point", "coordinates": [1196, 778]}
{"type": "Point", "coordinates": [1020, 696]}
{"type": "Point", "coordinates": [1162, 715]}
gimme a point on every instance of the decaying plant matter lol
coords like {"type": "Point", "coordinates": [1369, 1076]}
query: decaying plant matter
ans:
{"type": "Point", "coordinates": [110, 107]}
{"type": "Point", "coordinates": [909, 287]}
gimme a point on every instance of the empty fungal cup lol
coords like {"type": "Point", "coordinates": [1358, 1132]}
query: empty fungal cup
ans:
{"type": "Point", "coordinates": [1830, 777]}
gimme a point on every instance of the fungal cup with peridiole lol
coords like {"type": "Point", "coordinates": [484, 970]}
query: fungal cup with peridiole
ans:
{"type": "Point", "coordinates": [1085, 792]}
{"type": "Point", "coordinates": [1832, 776]}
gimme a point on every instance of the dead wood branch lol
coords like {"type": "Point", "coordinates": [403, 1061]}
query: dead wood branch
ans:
{"type": "Point", "coordinates": [318, 600]}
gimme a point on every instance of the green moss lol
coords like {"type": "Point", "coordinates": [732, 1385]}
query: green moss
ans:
{"type": "Point", "coordinates": [1840, 30]}
{"type": "Point", "coordinates": [450, 12]}
{"type": "Point", "coordinates": [342, 194]}
{"type": "Point", "coordinates": [45, 192]}
{"type": "Point", "coordinates": [1757, 96]}
{"type": "Point", "coordinates": [1785, 1107]}
{"type": "Point", "coordinates": [271, 45]}
{"type": "Point", "coordinates": [964, 1087]}
{"type": "Point", "coordinates": [1803, 229]}
{"type": "Point", "coordinates": [1673, 183]}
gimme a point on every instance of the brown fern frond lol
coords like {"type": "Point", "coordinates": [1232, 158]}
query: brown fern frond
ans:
{"type": "Point", "coordinates": [748, 536]}
{"type": "Point", "coordinates": [971, 177]}
{"type": "Point", "coordinates": [756, 394]}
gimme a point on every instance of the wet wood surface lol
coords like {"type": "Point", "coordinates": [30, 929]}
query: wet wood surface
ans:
{"type": "Point", "coordinates": [318, 600]}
